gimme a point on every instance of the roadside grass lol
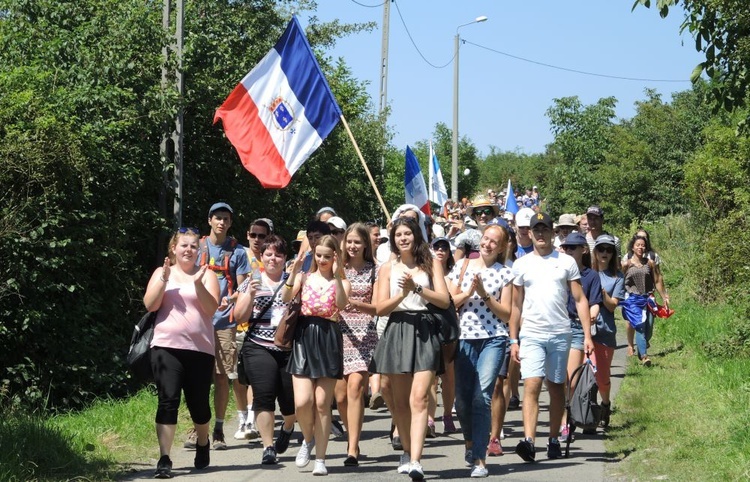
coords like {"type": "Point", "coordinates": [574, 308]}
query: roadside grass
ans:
{"type": "Point", "coordinates": [688, 416]}
{"type": "Point", "coordinates": [106, 440]}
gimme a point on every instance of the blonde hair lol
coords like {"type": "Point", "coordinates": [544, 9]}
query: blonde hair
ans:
{"type": "Point", "coordinates": [329, 242]}
{"type": "Point", "coordinates": [173, 242]}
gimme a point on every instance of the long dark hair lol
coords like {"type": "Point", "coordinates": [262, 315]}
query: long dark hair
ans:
{"type": "Point", "coordinates": [614, 263]}
{"type": "Point", "coordinates": [420, 249]}
{"type": "Point", "coordinates": [632, 243]}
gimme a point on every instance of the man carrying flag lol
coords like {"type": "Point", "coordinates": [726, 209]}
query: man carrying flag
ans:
{"type": "Point", "coordinates": [415, 190]}
{"type": "Point", "coordinates": [281, 112]}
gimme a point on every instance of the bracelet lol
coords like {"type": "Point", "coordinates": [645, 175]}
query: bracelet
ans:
{"type": "Point", "coordinates": [486, 297]}
{"type": "Point", "coordinates": [513, 341]}
{"type": "Point", "coordinates": [288, 286]}
{"type": "Point", "coordinates": [161, 277]}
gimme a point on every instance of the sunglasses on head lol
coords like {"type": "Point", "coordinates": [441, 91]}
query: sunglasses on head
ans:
{"type": "Point", "coordinates": [484, 211]}
{"type": "Point", "coordinates": [184, 230]}
{"type": "Point", "coordinates": [605, 249]}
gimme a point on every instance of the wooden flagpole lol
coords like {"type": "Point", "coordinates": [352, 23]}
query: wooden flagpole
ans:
{"type": "Point", "coordinates": [364, 164]}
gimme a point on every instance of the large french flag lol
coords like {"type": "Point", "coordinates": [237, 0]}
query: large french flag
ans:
{"type": "Point", "coordinates": [414, 186]}
{"type": "Point", "coordinates": [281, 111]}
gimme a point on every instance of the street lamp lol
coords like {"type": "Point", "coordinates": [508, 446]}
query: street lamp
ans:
{"type": "Point", "coordinates": [454, 164]}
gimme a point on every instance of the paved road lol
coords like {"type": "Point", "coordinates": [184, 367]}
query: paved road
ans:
{"type": "Point", "coordinates": [442, 459]}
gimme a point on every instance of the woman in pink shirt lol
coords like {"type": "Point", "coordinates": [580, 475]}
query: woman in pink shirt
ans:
{"type": "Point", "coordinates": [182, 354]}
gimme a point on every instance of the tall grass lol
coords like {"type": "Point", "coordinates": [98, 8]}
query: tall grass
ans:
{"type": "Point", "coordinates": [687, 417]}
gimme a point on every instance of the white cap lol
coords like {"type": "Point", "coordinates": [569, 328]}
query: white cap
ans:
{"type": "Point", "coordinates": [337, 222]}
{"type": "Point", "coordinates": [523, 217]}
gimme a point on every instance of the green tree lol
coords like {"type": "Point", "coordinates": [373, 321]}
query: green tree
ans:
{"type": "Point", "coordinates": [721, 29]}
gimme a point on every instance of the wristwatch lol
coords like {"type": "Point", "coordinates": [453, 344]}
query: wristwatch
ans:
{"type": "Point", "coordinates": [417, 288]}
{"type": "Point", "coordinates": [486, 297]}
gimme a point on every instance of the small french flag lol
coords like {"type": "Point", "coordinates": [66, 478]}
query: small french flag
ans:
{"type": "Point", "coordinates": [414, 186]}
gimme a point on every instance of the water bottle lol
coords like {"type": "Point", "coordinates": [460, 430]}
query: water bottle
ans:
{"type": "Point", "coordinates": [256, 275]}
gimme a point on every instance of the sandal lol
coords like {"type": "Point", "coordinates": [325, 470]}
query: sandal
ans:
{"type": "Point", "coordinates": [631, 350]}
{"type": "Point", "coordinates": [646, 361]}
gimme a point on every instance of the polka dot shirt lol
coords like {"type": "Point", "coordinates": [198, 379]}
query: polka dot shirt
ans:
{"type": "Point", "coordinates": [476, 319]}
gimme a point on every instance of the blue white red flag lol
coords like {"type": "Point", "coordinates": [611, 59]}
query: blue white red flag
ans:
{"type": "Point", "coordinates": [511, 205]}
{"type": "Point", "coordinates": [437, 191]}
{"type": "Point", "coordinates": [414, 187]}
{"type": "Point", "coordinates": [281, 112]}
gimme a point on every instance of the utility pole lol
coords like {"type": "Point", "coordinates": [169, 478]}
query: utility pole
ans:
{"type": "Point", "coordinates": [384, 68]}
{"type": "Point", "coordinates": [172, 137]}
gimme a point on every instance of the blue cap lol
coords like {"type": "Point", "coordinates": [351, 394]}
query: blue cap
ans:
{"type": "Point", "coordinates": [217, 206]}
{"type": "Point", "coordinates": [575, 239]}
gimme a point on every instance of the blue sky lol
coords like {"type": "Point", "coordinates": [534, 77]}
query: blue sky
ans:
{"type": "Point", "coordinates": [503, 100]}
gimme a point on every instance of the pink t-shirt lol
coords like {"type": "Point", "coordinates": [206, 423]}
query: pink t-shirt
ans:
{"type": "Point", "coordinates": [180, 322]}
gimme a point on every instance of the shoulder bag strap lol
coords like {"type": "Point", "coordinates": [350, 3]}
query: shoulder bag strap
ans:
{"type": "Point", "coordinates": [463, 272]}
{"type": "Point", "coordinates": [273, 297]}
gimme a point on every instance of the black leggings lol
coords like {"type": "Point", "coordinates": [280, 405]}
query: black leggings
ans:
{"type": "Point", "coordinates": [266, 372]}
{"type": "Point", "coordinates": [188, 370]}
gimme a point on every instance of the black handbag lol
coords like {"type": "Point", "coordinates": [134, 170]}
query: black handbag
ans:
{"type": "Point", "coordinates": [139, 353]}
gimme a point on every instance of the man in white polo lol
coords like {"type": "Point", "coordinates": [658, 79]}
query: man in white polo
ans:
{"type": "Point", "coordinates": [541, 283]}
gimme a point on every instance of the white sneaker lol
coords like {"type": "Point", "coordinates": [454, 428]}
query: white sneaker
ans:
{"type": "Point", "coordinates": [502, 434]}
{"type": "Point", "coordinates": [320, 467]}
{"type": "Point", "coordinates": [240, 433]}
{"type": "Point", "coordinates": [404, 463]}
{"type": "Point", "coordinates": [479, 472]}
{"type": "Point", "coordinates": [415, 471]}
{"type": "Point", "coordinates": [303, 456]}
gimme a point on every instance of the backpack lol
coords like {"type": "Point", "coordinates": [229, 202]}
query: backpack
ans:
{"type": "Point", "coordinates": [139, 353]}
{"type": "Point", "coordinates": [583, 411]}
{"type": "Point", "coordinates": [223, 264]}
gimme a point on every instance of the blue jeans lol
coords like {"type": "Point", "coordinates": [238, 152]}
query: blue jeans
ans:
{"type": "Point", "coordinates": [643, 336]}
{"type": "Point", "coordinates": [477, 366]}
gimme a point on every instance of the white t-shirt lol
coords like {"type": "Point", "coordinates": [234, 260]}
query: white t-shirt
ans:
{"type": "Point", "coordinates": [476, 319]}
{"type": "Point", "coordinates": [545, 281]}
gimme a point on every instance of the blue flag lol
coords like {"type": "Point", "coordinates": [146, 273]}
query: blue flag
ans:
{"type": "Point", "coordinates": [511, 206]}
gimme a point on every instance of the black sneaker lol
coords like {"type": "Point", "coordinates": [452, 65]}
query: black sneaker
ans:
{"type": "Point", "coordinates": [525, 450]}
{"type": "Point", "coordinates": [514, 403]}
{"type": "Point", "coordinates": [282, 441]}
{"type": "Point", "coordinates": [218, 438]}
{"type": "Point", "coordinates": [163, 468]}
{"type": "Point", "coordinates": [336, 429]}
{"type": "Point", "coordinates": [202, 456]}
{"type": "Point", "coordinates": [553, 448]}
{"type": "Point", "coordinates": [269, 456]}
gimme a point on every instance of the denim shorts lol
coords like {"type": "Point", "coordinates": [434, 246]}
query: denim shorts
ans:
{"type": "Point", "coordinates": [545, 356]}
{"type": "Point", "coordinates": [576, 342]}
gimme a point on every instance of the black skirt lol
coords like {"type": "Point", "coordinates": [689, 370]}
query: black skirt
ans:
{"type": "Point", "coordinates": [318, 350]}
{"type": "Point", "coordinates": [409, 344]}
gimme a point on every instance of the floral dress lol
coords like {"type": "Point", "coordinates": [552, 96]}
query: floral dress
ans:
{"type": "Point", "coordinates": [358, 328]}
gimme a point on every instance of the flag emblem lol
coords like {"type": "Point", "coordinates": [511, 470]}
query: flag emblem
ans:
{"type": "Point", "coordinates": [283, 113]}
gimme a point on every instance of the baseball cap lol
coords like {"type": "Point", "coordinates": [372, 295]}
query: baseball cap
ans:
{"type": "Point", "coordinates": [441, 240]}
{"type": "Point", "coordinates": [575, 239]}
{"type": "Point", "coordinates": [218, 206]}
{"type": "Point", "coordinates": [523, 218]}
{"type": "Point", "coordinates": [337, 222]}
{"type": "Point", "coordinates": [383, 234]}
{"type": "Point", "coordinates": [604, 239]}
{"type": "Point", "coordinates": [595, 210]}
{"type": "Point", "coordinates": [540, 218]}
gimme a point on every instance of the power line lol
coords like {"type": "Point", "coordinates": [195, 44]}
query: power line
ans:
{"type": "Point", "coordinates": [415, 45]}
{"type": "Point", "coordinates": [369, 6]}
{"type": "Point", "coordinates": [582, 72]}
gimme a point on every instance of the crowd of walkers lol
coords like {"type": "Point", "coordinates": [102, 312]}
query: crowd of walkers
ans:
{"type": "Point", "coordinates": [533, 298]}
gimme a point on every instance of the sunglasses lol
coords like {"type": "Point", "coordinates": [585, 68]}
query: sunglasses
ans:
{"type": "Point", "coordinates": [608, 249]}
{"type": "Point", "coordinates": [571, 248]}
{"type": "Point", "coordinates": [257, 235]}
{"type": "Point", "coordinates": [184, 230]}
{"type": "Point", "coordinates": [484, 211]}
{"type": "Point", "coordinates": [441, 247]}
{"type": "Point", "coordinates": [337, 231]}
